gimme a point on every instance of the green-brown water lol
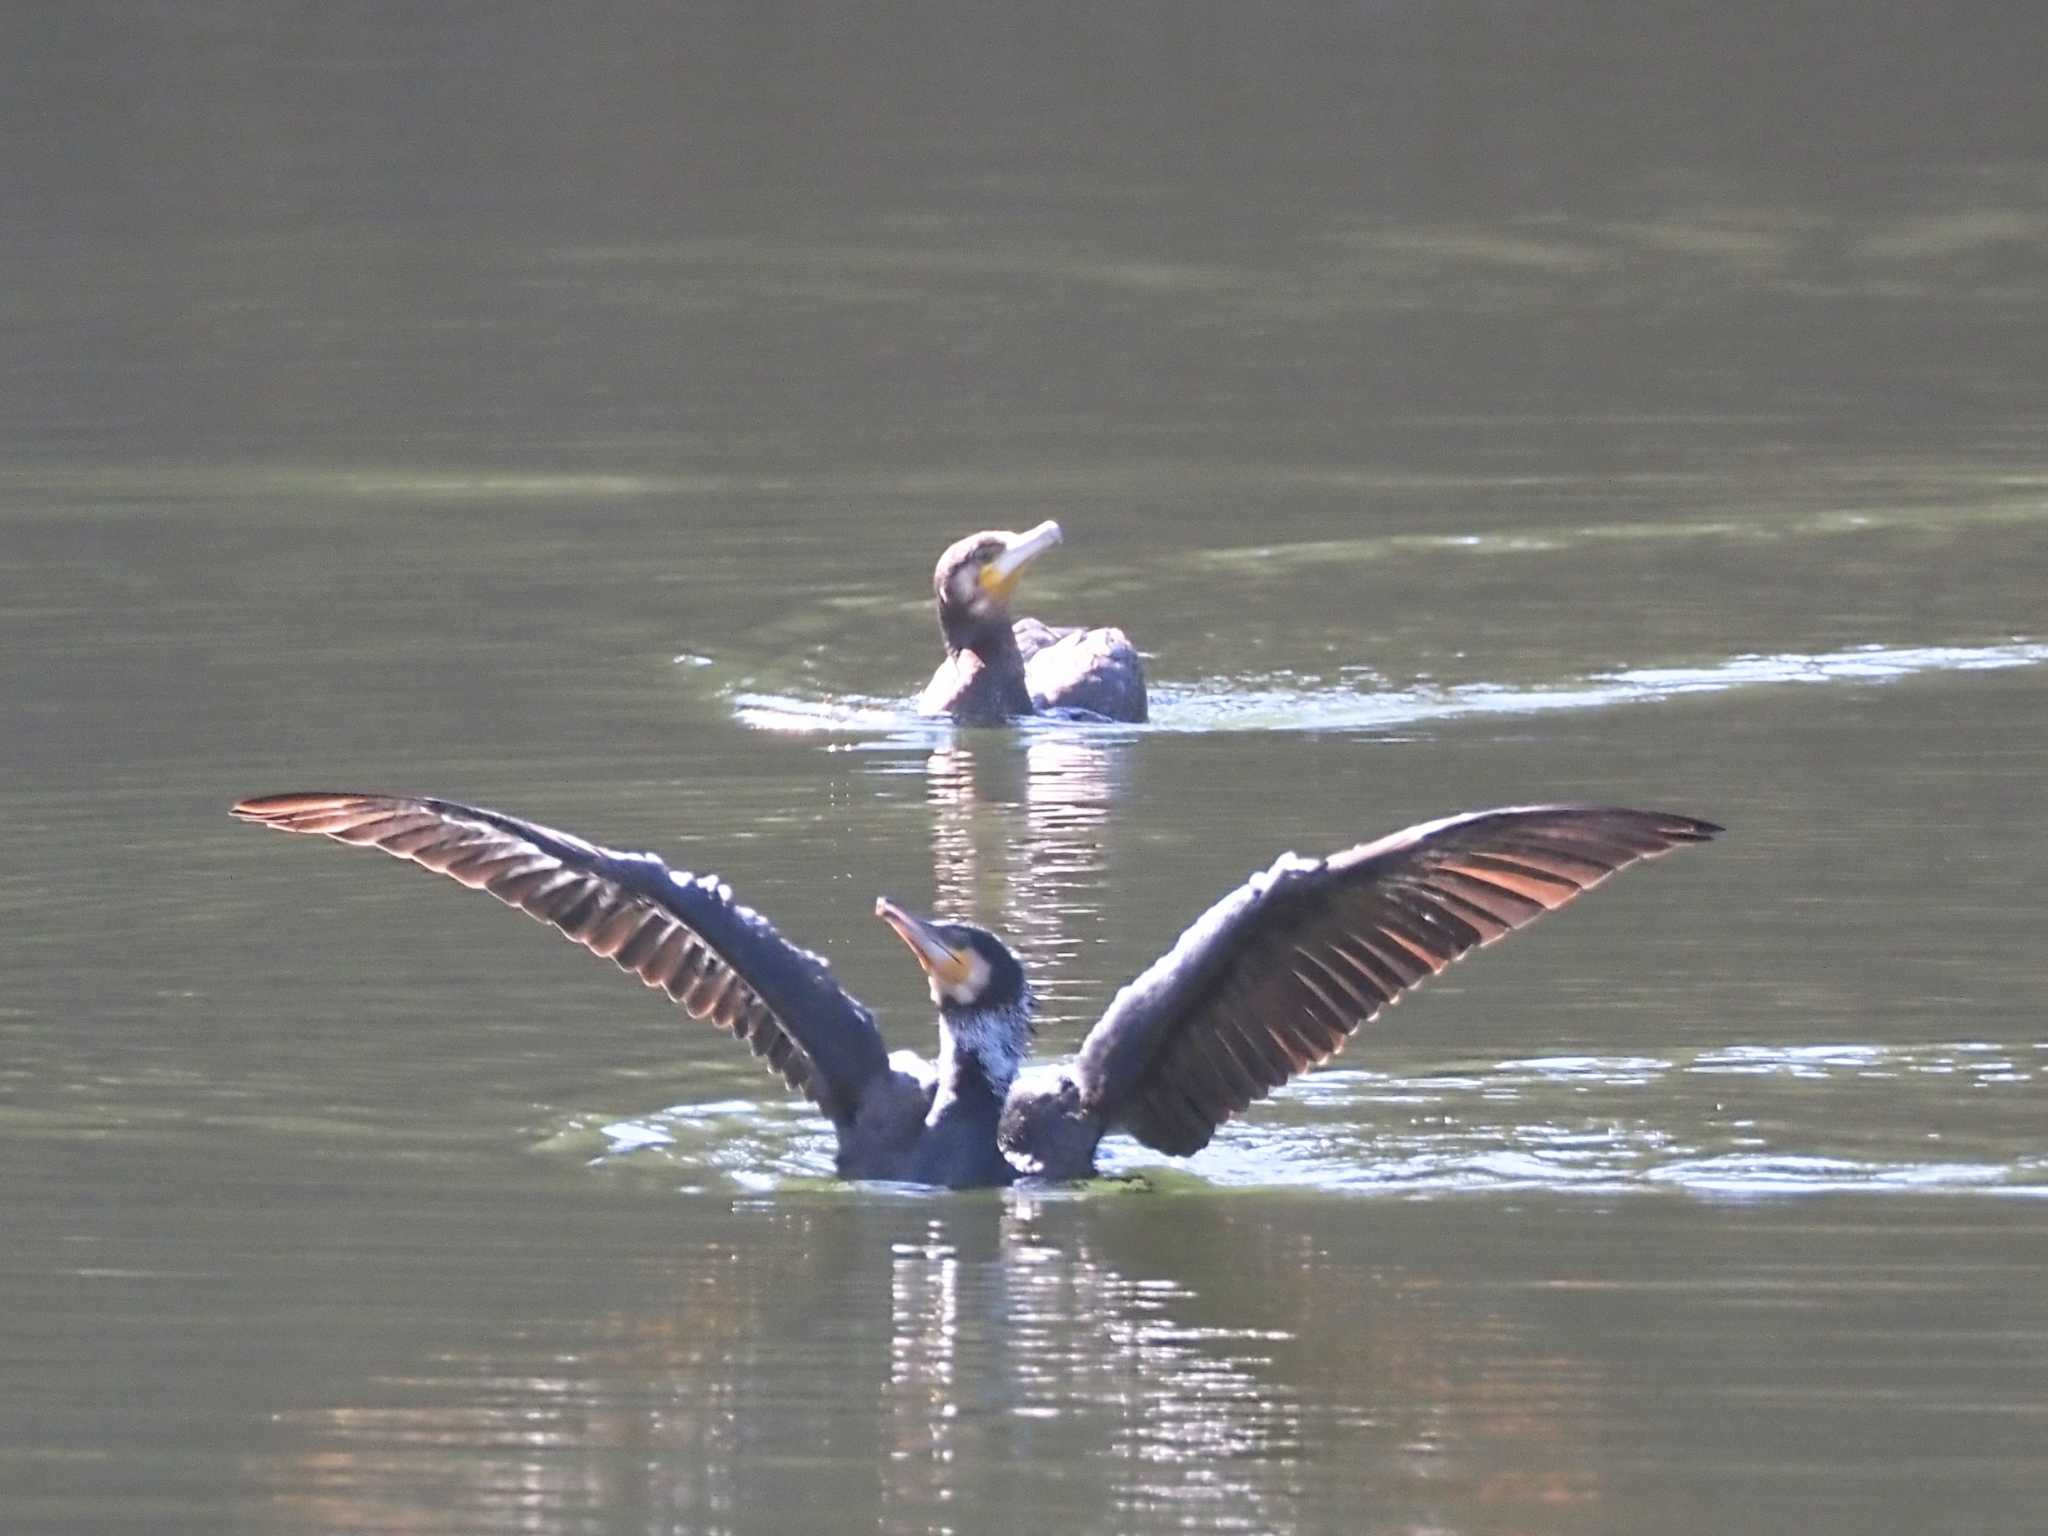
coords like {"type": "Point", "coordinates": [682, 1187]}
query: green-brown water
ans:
{"type": "Point", "coordinates": [562, 411]}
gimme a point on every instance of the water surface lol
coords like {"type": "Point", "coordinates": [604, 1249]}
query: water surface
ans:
{"type": "Point", "coordinates": [563, 411]}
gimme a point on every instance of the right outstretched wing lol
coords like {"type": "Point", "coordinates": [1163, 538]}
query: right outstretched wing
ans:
{"type": "Point", "coordinates": [1273, 978]}
{"type": "Point", "coordinates": [720, 960]}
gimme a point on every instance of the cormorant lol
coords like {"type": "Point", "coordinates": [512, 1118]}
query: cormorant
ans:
{"type": "Point", "coordinates": [1267, 983]}
{"type": "Point", "coordinates": [996, 670]}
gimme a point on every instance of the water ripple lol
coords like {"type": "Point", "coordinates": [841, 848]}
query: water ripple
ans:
{"type": "Point", "coordinates": [1729, 1121]}
{"type": "Point", "coordinates": [1238, 704]}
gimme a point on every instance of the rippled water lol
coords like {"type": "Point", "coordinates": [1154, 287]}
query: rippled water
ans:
{"type": "Point", "coordinates": [565, 414]}
{"type": "Point", "coordinates": [1603, 1124]}
{"type": "Point", "coordinates": [1256, 703]}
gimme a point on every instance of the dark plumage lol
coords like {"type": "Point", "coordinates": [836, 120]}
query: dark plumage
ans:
{"type": "Point", "coordinates": [997, 669]}
{"type": "Point", "coordinates": [1270, 981]}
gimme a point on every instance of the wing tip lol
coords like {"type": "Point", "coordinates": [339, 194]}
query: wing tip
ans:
{"type": "Point", "coordinates": [1678, 826]}
{"type": "Point", "coordinates": [280, 810]}
{"type": "Point", "coordinates": [1681, 828]}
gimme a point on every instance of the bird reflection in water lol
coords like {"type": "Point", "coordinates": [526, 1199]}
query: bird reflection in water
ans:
{"type": "Point", "coordinates": [1100, 1364]}
{"type": "Point", "coordinates": [1207, 1423]}
{"type": "Point", "coordinates": [922, 1439]}
{"type": "Point", "coordinates": [915, 1366]}
{"type": "Point", "coordinates": [986, 1370]}
{"type": "Point", "coordinates": [1020, 845]}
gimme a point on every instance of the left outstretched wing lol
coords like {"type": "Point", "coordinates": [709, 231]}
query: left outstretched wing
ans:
{"type": "Point", "coordinates": [720, 960]}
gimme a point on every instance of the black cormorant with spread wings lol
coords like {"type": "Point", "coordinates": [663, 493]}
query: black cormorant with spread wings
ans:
{"type": "Point", "coordinates": [998, 670]}
{"type": "Point", "coordinates": [1269, 982]}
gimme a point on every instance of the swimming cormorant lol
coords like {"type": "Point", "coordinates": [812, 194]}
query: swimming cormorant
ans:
{"type": "Point", "coordinates": [997, 670]}
{"type": "Point", "coordinates": [1267, 983]}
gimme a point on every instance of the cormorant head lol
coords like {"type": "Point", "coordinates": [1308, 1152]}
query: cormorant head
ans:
{"type": "Point", "coordinates": [969, 968]}
{"type": "Point", "coordinates": [975, 577]}
{"type": "Point", "coordinates": [983, 999]}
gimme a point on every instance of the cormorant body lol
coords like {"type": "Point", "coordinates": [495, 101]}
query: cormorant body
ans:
{"type": "Point", "coordinates": [998, 669]}
{"type": "Point", "coordinates": [1269, 982]}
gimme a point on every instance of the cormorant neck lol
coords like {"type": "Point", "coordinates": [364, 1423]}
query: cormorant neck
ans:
{"type": "Point", "coordinates": [996, 689]}
{"type": "Point", "coordinates": [982, 1049]}
{"type": "Point", "coordinates": [992, 637]}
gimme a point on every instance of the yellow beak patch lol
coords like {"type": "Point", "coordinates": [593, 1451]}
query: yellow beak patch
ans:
{"type": "Point", "coordinates": [948, 966]}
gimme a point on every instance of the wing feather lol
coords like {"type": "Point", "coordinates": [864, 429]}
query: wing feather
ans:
{"type": "Point", "coordinates": [1276, 976]}
{"type": "Point", "coordinates": [684, 935]}
{"type": "Point", "coordinates": [1095, 671]}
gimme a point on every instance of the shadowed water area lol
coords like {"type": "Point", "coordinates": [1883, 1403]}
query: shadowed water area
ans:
{"type": "Point", "coordinates": [562, 410]}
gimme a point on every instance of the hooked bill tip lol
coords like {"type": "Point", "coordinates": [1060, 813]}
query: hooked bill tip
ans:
{"type": "Point", "coordinates": [1002, 572]}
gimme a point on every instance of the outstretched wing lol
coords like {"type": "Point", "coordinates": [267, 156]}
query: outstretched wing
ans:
{"type": "Point", "coordinates": [1272, 979]}
{"type": "Point", "coordinates": [720, 960]}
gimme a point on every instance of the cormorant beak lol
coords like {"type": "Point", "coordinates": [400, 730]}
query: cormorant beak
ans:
{"type": "Point", "coordinates": [999, 577]}
{"type": "Point", "coordinates": [948, 966]}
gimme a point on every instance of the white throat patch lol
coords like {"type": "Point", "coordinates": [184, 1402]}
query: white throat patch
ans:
{"type": "Point", "coordinates": [962, 993]}
{"type": "Point", "coordinates": [997, 1038]}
